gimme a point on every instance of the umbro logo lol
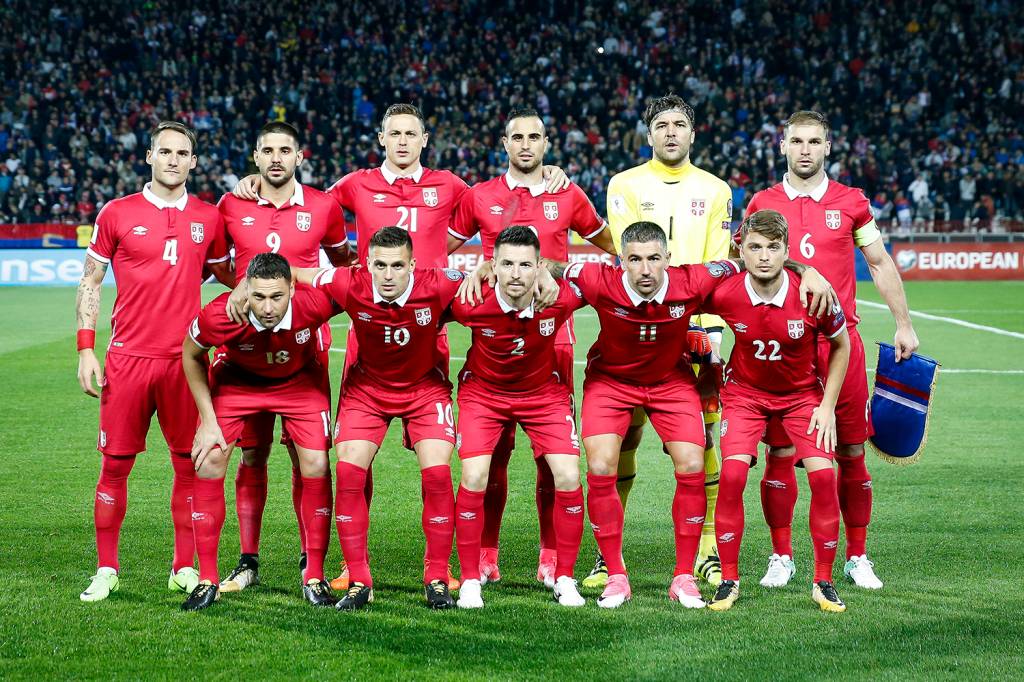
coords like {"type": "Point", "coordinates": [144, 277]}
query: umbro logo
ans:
{"type": "Point", "coordinates": [343, 518]}
{"type": "Point", "coordinates": [497, 210]}
{"type": "Point", "coordinates": [379, 198]}
{"type": "Point", "coordinates": [647, 206]}
{"type": "Point", "coordinates": [322, 511]}
{"type": "Point", "coordinates": [365, 317]}
{"type": "Point", "coordinates": [831, 544]}
{"type": "Point", "coordinates": [245, 347]}
{"type": "Point", "coordinates": [468, 516]}
{"type": "Point", "coordinates": [104, 498]}
{"type": "Point", "coordinates": [726, 537]}
{"type": "Point", "coordinates": [198, 516]}
{"type": "Point", "coordinates": [489, 333]}
{"type": "Point", "coordinates": [773, 483]}
{"type": "Point", "coordinates": [139, 230]}
{"type": "Point", "coordinates": [596, 528]}
{"type": "Point", "coordinates": [740, 328]}
{"type": "Point", "coordinates": [248, 221]}
{"type": "Point", "coordinates": [439, 520]}
{"type": "Point", "coordinates": [574, 509]}
{"type": "Point", "coordinates": [621, 312]}
{"type": "Point", "coordinates": [866, 485]}
{"type": "Point", "coordinates": [695, 519]}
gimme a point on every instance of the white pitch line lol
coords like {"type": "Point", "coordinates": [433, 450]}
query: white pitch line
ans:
{"type": "Point", "coordinates": [950, 320]}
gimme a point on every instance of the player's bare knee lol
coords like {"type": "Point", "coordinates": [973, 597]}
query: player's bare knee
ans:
{"type": "Point", "coordinates": [850, 451]}
{"type": "Point", "coordinates": [214, 465]}
{"type": "Point", "coordinates": [475, 473]}
{"type": "Point", "coordinates": [566, 475]}
{"type": "Point", "coordinates": [787, 451]}
{"type": "Point", "coordinates": [257, 456]}
{"type": "Point", "coordinates": [312, 463]}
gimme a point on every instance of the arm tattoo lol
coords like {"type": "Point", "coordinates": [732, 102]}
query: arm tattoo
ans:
{"type": "Point", "coordinates": [798, 268]}
{"type": "Point", "coordinates": [87, 302]}
{"type": "Point", "coordinates": [556, 268]}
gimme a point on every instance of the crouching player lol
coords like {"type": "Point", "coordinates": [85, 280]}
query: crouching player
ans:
{"type": "Point", "coordinates": [396, 312]}
{"type": "Point", "coordinates": [772, 374]}
{"type": "Point", "coordinates": [269, 365]}
{"type": "Point", "coordinates": [510, 377]}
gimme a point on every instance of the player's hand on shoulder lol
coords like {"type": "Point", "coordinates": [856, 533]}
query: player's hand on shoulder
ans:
{"type": "Point", "coordinates": [555, 179]}
{"type": "Point", "coordinates": [546, 290]}
{"type": "Point", "coordinates": [237, 306]}
{"type": "Point", "coordinates": [823, 425]}
{"type": "Point", "coordinates": [88, 370]}
{"type": "Point", "coordinates": [819, 290]}
{"type": "Point", "coordinates": [248, 188]}
{"type": "Point", "coordinates": [471, 290]}
{"type": "Point", "coordinates": [906, 342]}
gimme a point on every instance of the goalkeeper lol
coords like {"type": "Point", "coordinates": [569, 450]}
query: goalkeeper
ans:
{"type": "Point", "coordinates": [694, 208]}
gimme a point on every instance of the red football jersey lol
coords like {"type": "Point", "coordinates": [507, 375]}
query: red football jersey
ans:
{"type": "Point", "coordinates": [824, 228]}
{"type": "Point", "coordinates": [422, 203]}
{"type": "Point", "coordinates": [514, 350]}
{"type": "Point", "coordinates": [642, 341]}
{"type": "Point", "coordinates": [397, 340]}
{"type": "Point", "coordinates": [157, 251]}
{"type": "Point", "coordinates": [489, 207]}
{"type": "Point", "coordinates": [274, 353]}
{"type": "Point", "coordinates": [776, 346]}
{"type": "Point", "coordinates": [297, 230]}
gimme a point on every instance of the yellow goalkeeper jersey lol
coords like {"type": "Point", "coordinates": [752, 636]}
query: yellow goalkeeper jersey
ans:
{"type": "Point", "coordinates": [693, 207]}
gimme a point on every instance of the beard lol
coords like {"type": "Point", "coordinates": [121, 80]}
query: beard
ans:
{"type": "Point", "coordinates": [525, 169]}
{"type": "Point", "coordinates": [279, 182]}
{"type": "Point", "coordinates": [809, 173]}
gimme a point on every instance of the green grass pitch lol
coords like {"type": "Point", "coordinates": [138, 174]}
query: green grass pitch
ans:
{"type": "Point", "coordinates": [946, 540]}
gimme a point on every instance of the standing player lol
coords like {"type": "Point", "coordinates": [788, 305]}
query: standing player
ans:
{"type": "Point", "coordinates": [512, 375]}
{"type": "Point", "coordinates": [637, 363]}
{"type": "Point", "coordinates": [294, 221]}
{"type": "Point", "coordinates": [826, 221]}
{"type": "Point", "coordinates": [694, 208]}
{"type": "Point", "coordinates": [269, 365]}
{"type": "Point", "coordinates": [395, 314]}
{"type": "Point", "coordinates": [519, 197]}
{"type": "Point", "coordinates": [772, 374]}
{"type": "Point", "coordinates": [158, 242]}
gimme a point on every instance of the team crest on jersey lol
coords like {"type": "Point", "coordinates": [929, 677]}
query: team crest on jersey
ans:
{"type": "Point", "coordinates": [303, 221]}
{"type": "Point", "coordinates": [197, 233]}
{"type": "Point", "coordinates": [697, 207]}
{"type": "Point", "coordinates": [430, 196]}
{"type": "Point", "coordinates": [423, 316]}
{"type": "Point", "coordinates": [796, 328]}
{"type": "Point", "coordinates": [833, 219]}
{"type": "Point", "coordinates": [551, 210]}
{"type": "Point", "coordinates": [547, 327]}
{"type": "Point", "coordinates": [676, 311]}
{"type": "Point", "coordinates": [302, 336]}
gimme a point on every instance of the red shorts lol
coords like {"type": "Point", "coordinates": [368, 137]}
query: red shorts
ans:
{"type": "Point", "coordinates": [747, 411]}
{"type": "Point", "coordinates": [672, 406]}
{"type": "Point", "coordinates": [300, 400]}
{"type": "Point", "coordinates": [259, 428]}
{"type": "Point", "coordinates": [133, 389]}
{"type": "Point", "coordinates": [853, 420]}
{"type": "Point", "coordinates": [545, 414]}
{"type": "Point", "coordinates": [564, 365]}
{"type": "Point", "coordinates": [365, 409]}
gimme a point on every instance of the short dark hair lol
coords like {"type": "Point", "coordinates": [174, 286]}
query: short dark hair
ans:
{"type": "Point", "coordinates": [269, 266]}
{"type": "Point", "coordinates": [517, 235]}
{"type": "Point", "coordinates": [642, 232]}
{"type": "Point", "coordinates": [669, 102]}
{"type": "Point", "coordinates": [521, 112]}
{"type": "Point", "coordinates": [767, 223]}
{"type": "Point", "coordinates": [281, 127]}
{"type": "Point", "coordinates": [403, 108]}
{"type": "Point", "coordinates": [391, 237]}
{"type": "Point", "coordinates": [176, 127]}
{"type": "Point", "coordinates": [807, 117]}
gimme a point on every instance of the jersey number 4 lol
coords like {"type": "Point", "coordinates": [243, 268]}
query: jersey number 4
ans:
{"type": "Point", "coordinates": [171, 251]}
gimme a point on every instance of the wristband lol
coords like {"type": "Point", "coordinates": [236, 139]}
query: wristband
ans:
{"type": "Point", "coordinates": [86, 339]}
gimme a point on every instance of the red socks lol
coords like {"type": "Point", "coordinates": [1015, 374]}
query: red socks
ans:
{"type": "Point", "coordinates": [353, 521]}
{"type": "Point", "coordinates": [437, 519]}
{"type": "Point", "coordinates": [250, 500]}
{"type": "Point", "coordinates": [497, 488]}
{"type": "Point", "coordinates": [109, 507]}
{"type": "Point", "coordinates": [855, 502]}
{"type": "Point", "coordinates": [181, 510]}
{"type": "Point", "coordinates": [469, 525]}
{"type": "Point", "coordinates": [297, 479]}
{"type": "Point", "coordinates": [606, 518]}
{"type": "Point", "coordinates": [729, 519]}
{"type": "Point", "coordinates": [545, 496]}
{"type": "Point", "coordinates": [778, 499]}
{"type": "Point", "coordinates": [567, 525]}
{"type": "Point", "coordinates": [688, 508]}
{"type": "Point", "coordinates": [207, 522]}
{"type": "Point", "coordinates": [316, 520]}
{"type": "Point", "coordinates": [824, 521]}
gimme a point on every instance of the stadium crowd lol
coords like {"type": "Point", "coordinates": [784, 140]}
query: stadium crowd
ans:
{"type": "Point", "coordinates": [926, 101]}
